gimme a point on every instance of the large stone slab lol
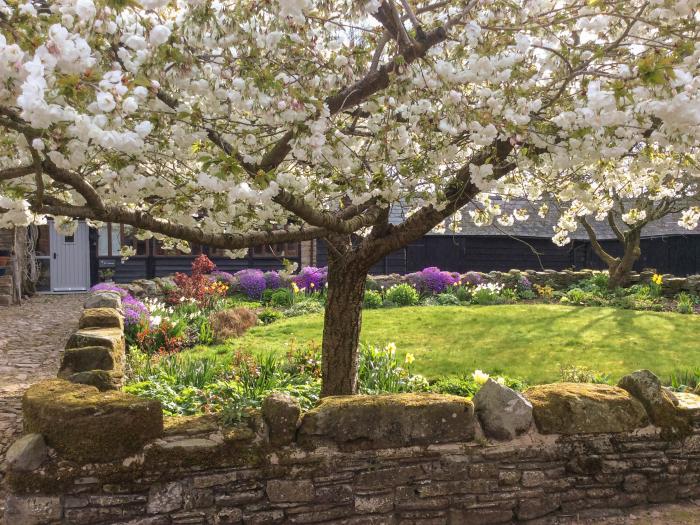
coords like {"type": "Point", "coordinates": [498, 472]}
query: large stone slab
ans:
{"type": "Point", "coordinates": [27, 453]}
{"type": "Point", "coordinates": [503, 412]}
{"type": "Point", "coordinates": [104, 300]}
{"type": "Point", "coordinates": [112, 338]}
{"type": "Point", "coordinates": [660, 404]}
{"type": "Point", "coordinates": [101, 318]}
{"type": "Point", "coordinates": [370, 422]}
{"type": "Point", "coordinates": [86, 425]}
{"type": "Point", "coordinates": [281, 414]}
{"type": "Point", "coordinates": [90, 358]}
{"type": "Point", "coordinates": [581, 408]}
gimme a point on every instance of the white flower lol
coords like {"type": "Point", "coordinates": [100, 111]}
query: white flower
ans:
{"type": "Point", "coordinates": [340, 61]}
{"type": "Point", "coordinates": [294, 9]}
{"type": "Point", "coordinates": [391, 348]}
{"type": "Point", "coordinates": [85, 9]}
{"type": "Point", "coordinates": [690, 218]}
{"type": "Point", "coordinates": [159, 35]}
{"type": "Point", "coordinates": [143, 128]}
{"type": "Point", "coordinates": [28, 9]}
{"type": "Point", "coordinates": [105, 102]}
{"type": "Point", "coordinates": [38, 144]}
{"type": "Point", "coordinates": [634, 216]}
{"type": "Point", "coordinates": [156, 320]}
{"type": "Point", "coordinates": [130, 105]}
{"type": "Point", "coordinates": [521, 214]}
{"type": "Point", "coordinates": [480, 377]}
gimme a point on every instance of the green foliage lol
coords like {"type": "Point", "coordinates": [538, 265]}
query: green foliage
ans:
{"type": "Point", "coordinates": [684, 380]}
{"type": "Point", "coordinates": [572, 373]}
{"type": "Point", "coordinates": [304, 307]}
{"type": "Point", "coordinates": [462, 293]}
{"type": "Point", "coordinates": [582, 297]}
{"type": "Point", "coordinates": [371, 284]}
{"type": "Point", "coordinates": [373, 299]}
{"type": "Point", "coordinates": [381, 371]}
{"type": "Point", "coordinates": [466, 385]}
{"type": "Point", "coordinates": [447, 299]}
{"type": "Point", "coordinates": [268, 316]}
{"type": "Point", "coordinates": [486, 296]}
{"type": "Point", "coordinates": [685, 303]}
{"type": "Point", "coordinates": [403, 295]}
{"type": "Point", "coordinates": [281, 298]}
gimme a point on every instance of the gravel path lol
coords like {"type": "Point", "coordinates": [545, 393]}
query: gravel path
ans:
{"type": "Point", "coordinates": [32, 337]}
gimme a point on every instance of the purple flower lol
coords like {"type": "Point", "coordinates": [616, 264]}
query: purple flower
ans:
{"type": "Point", "coordinates": [134, 311]}
{"type": "Point", "coordinates": [251, 282]}
{"type": "Point", "coordinates": [472, 279]}
{"type": "Point", "coordinates": [273, 280]}
{"type": "Point", "coordinates": [225, 277]}
{"type": "Point", "coordinates": [524, 284]}
{"type": "Point", "coordinates": [432, 280]}
{"type": "Point", "coordinates": [109, 287]}
{"type": "Point", "coordinates": [311, 278]}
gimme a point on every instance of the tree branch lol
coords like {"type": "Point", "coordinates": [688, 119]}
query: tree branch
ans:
{"type": "Point", "coordinates": [597, 248]}
{"type": "Point", "coordinates": [144, 221]}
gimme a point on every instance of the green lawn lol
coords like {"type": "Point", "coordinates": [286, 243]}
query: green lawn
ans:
{"type": "Point", "coordinates": [526, 341]}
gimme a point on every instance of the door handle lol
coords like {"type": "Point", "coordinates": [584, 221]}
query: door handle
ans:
{"type": "Point", "coordinates": [54, 255]}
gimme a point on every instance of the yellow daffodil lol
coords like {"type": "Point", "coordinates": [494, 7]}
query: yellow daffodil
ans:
{"type": "Point", "coordinates": [410, 358]}
{"type": "Point", "coordinates": [657, 279]}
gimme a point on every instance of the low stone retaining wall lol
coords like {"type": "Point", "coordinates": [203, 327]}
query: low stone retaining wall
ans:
{"type": "Point", "coordinates": [558, 280]}
{"type": "Point", "coordinates": [104, 457]}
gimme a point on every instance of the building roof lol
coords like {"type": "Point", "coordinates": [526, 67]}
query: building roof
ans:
{"type": "Point", "coordinates": [537, 227]}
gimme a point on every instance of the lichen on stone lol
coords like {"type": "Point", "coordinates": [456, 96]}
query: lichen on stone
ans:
{"type": "Point", "coordinates": [581, 408]}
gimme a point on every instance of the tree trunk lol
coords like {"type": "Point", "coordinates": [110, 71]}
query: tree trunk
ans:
{"type": "Point", "coordinates": [620, 270]}
{"type": "Point", "coordinates": [342, 322]}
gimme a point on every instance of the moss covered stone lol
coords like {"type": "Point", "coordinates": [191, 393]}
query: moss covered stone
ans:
{"type": "Point", "coordinates": [367, 422]}
{"type": "Point", "coordinates": [660, 404]}
{"type": "Point", "coordinates": [581, 408]}
{"type": "Point", "coordinates": [102, 380]}
{"type": "Point", "coordinates": [112, 338]}
{"type": "Point", "coordinates": [281, 414]}
{"type": "Point", "coordinates": [86, 425]}
{"type": "Point", "coordinates": [101, 318]}
{"type": "Point", "coordinates": [90, 358]}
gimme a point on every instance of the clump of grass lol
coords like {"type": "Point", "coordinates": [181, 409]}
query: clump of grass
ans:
{"type": "Point", "coordinates": [233, 322]}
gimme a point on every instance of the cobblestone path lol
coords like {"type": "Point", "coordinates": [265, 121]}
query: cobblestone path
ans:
{"type": "Point", "coordinates": [32, 337]}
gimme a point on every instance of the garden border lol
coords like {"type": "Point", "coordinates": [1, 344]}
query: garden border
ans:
{"type": "Point", "coordinates": [95, 455]}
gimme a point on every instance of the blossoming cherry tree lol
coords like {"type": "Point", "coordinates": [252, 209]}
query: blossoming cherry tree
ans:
{"type": "Point", "coordinates": [239, 123]}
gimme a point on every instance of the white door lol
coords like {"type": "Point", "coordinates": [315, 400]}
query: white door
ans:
{"type": "Point", "coordinates": [70, 260]}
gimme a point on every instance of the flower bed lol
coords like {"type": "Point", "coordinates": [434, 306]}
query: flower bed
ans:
{"type": "Point", "coordinates": [209, 306]}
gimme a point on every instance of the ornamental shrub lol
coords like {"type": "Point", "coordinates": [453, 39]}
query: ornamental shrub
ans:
{"type": "Point", "coordinates": [403, 295]}
{"type": "Point", "coordinates": [109, 287]}
{"type": "Point", "coordinates": [432, 280]}
{"type": "Point", "coordinates": [373, 299]}
{"type": "Point", "coordinates": [305, 307]}
{"type": "Point", "coordinates": [269, 316]}
{"type": "Point", "coordinates": [281, 298]}
{"type": "Point", "coordinates": [447, 299]}
{"type": "Point", "coordinates": [311, 279]}
{"type": "Point", "coordinates": [273, 280]}
{"type": "Point", "coordinates": [472, 279]}
{"type": "Point", "coordinates": [251, 282]}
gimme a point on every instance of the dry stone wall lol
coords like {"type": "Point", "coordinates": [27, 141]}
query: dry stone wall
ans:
{"type": "Point", "coordinates": [94, 457]}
